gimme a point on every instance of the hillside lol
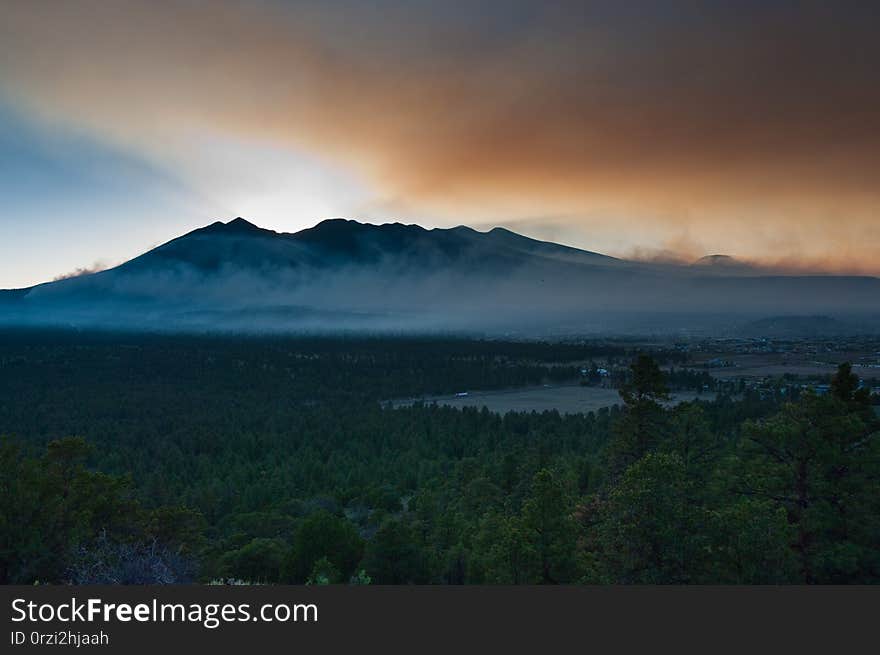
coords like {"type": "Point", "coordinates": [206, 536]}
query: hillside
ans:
{"type": "Point", "coordinates": [342, 275]}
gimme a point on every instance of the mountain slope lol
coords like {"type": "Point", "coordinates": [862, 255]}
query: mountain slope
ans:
{"type": "Point", "coordinates": [345, 275]}
{"type": "Point", "coordinates": [339, 242]}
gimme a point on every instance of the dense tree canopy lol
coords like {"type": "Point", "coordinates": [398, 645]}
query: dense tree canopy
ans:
{"type": "Point", "coordinates": [273, 460]}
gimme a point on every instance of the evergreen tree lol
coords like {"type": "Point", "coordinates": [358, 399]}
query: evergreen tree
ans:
{"type": "Point", "coordinates": [396, 555]}
{"type": "Point", "coordinates": [646, 531]}
{"type": "Point", "coordinates": [819, 460]}
{"type": "Point", "coordinates": [549, 529]}
{"type": "Point", "coordinates": [644, 423]}
{"type": "Point", "coordinates": [323, 535]}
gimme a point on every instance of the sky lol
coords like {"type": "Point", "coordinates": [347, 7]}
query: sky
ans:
{"type": "Point", "coordinates": [648, 129]}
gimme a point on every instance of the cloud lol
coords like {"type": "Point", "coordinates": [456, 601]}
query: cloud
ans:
{"type": "Point", "coordinates": [96, 267]}
{"type": "Point", "coordinates": [749, 127]}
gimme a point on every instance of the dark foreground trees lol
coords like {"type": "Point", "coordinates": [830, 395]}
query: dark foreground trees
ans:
{"type": "Point", "coordinates": [60, 521]}
{"type": "Point", "coordinates": [325, 545]}
{"type": "Point", "coordinates": [819, 461]}
{"type": "Point", "coordinates": [305, 482]}
{"type": "Point", "coordinates": [644, 423]}
{"type": "Point", "coordinates": [794, 498]}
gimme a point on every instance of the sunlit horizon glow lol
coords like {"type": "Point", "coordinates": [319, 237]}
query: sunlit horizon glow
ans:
{"type": "Point", "coordinates": [645, 130]}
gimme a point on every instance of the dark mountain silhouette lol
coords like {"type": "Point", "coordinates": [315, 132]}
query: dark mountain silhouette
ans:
{"type": "Point", "coordinates": [339, 242]}
{"type": "Point", "coordinates": [345, 275]}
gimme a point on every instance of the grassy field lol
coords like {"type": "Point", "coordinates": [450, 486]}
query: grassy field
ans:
{"type": "Point", "coordinates": [773, 365]}
{"type": "Point", "coordinates": [566, 399]}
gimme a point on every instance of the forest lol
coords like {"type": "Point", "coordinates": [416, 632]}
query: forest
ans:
{"type": "Point", "coordinates": [132, 458]}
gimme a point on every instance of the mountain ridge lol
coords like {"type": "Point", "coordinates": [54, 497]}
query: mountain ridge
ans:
{"type": "Point", "coordinates": [337, 240]}
{"type": "Point", "coordinates": [343, 274]}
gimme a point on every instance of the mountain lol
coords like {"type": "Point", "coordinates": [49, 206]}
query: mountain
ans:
{"type": "Point", "coordinates": [338, 243]}
{"type": "Point", "coordinates": [346, 275]}
{"type": "Point", "coordinates": [724, 264]}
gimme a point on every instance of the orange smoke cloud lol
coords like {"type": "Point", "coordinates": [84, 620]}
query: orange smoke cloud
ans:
{"type": "Point", "coordinates": [752, 132]}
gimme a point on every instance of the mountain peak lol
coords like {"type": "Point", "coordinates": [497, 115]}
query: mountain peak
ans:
{"type": "Point", "coordinates": [241, 225]}
{"type": "Point", "coordinates": [235, 226]}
